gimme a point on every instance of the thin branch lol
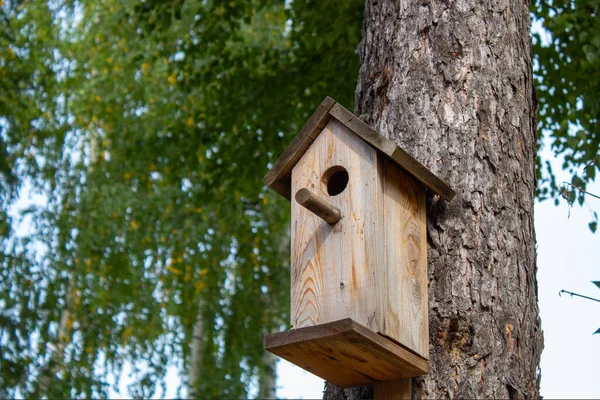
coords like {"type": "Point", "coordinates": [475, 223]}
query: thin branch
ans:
{"type": "Point", "coordinates": [581, 190]}
{"type": "Point", "coordinates": [578, 295]}
{"type": "Point", "coordinates": [589, 164]}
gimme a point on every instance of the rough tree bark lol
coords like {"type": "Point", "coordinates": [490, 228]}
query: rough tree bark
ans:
{"type": "Point", "coordinates": [451, 82]}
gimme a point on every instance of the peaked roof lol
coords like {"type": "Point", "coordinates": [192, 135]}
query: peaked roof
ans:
{"type": "Point", "coordinates": [279, 177]}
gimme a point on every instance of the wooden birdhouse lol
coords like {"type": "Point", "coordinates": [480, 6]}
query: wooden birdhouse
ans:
{"type": "Point", "coordinates": [359, 252]}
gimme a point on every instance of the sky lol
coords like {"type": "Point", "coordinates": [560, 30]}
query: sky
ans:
{"type": "Point", "coordinates": [568, 258]}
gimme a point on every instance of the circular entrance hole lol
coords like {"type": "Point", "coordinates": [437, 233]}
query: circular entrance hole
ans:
{"type": "Point", "coordinates": [336, 179]}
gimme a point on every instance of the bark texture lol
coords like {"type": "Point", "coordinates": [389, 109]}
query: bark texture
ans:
{"type": "Point", "coordinates": [451, 82]}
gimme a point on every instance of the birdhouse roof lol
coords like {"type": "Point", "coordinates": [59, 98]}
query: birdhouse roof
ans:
{"type": "Point", "coordinates": [279, 177]}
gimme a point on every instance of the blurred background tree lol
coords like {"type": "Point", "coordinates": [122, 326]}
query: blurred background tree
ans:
{"type": "Point", "coordinates": [145, 127]}
{"type": "Point", "coordinates": [568, 85]}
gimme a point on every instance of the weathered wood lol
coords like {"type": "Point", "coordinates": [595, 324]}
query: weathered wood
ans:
{"type": "Point", "coordinates": [404, 281]}
{"type": "Point", "coordinates": [278, 177]}
{"type": "Point", "coordinates": [327, 103]}
{"type": "Point", "coordinates": [370, 266]}
{"type": "Point", "coordinates": [318, 206]}
{"type": "Point", "coordinates": [334, 268]}
{"type": "Point", "coordinates": [393, 390]}
{"type": "Point", "coordinates": [346, 353]}
{"type": "Point", "coordinates": [390, 149]}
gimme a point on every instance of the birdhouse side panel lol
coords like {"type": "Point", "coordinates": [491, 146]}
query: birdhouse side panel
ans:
{"type": "Point", "coordinates": [334, 267]}
{"type": "Point", "coordinates": [405, 309]}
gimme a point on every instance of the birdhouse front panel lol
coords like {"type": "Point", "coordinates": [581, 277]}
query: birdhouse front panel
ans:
{"type": "Point", "coordinates": [334, 268]}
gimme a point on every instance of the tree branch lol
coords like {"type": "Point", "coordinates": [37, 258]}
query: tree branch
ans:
{"type": "Point", "coordinates": [578, 295]}
{"type": "Point", "coordinates": [581, 190]}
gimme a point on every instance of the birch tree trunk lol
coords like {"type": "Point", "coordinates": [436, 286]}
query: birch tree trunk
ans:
{"type": "Point", "coordinates": [451, 82]}
{"type": "Point", "coordinates": [267, 377]}
{"type": "Point", "coordinates": [65, 334]}
{"type": "Point", "coordinates": [197, 355]}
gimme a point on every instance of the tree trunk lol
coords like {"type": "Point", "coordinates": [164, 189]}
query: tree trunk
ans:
{"type": "Point", "coordinates": [65, 334]}
{"type": "Point", "coordinates": [267, 377]}
{"type": "Point", "coordinates": [197, 355]}
{"type": "Point", "coordinates": [451, 82]}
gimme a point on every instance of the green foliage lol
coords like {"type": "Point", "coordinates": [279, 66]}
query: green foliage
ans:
{"type": "Point", "coordinates": [568, 74]}
{"type": "Point", "coordinates": [164, 117]}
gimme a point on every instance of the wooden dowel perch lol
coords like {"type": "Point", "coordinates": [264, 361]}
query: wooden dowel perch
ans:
{"type": "Point", "coordinates": [318, 206]}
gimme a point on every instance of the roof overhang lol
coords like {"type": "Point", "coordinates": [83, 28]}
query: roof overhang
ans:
{"type": "Point", "coordinates": [279, 177]}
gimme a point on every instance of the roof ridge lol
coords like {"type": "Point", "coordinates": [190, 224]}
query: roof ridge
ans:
{"type": "Point", "coordinates": [279, 176]}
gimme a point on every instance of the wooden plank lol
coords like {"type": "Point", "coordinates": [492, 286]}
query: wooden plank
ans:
{"type": "Point", "coordinates": [363, 130]}
{"type": "Point", "coordinates": [389, 148]}
{"type": "Point", "coordinates": [327, 103]}
{"type": "Point", "coordinates": [393, 390]}
{"type": "Point", "coordinates": [422, 174]}
{"type": "Point", "coordinates": [276, 177]}
{"type": "Point", "coordinates": [346, 353]}
{"type": "Point", "coordinates": [404, 283]}
{"type": "Point", "coordinates": [334, 268]}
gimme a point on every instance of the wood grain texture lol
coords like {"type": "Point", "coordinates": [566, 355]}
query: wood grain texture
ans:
{"type": "Point", "coordinates": [318, 206]}
{"type": "Point", "coordinates": [372, 265]}
{"type": "Point", "coordinates": [393, 390]}
{"type": "Point", "coordinates": [346, 353]}
{"type": "Point", "coordinates": [334, 268]}
{"type": "Point", "coordinates": [390, 149]}
{"type": "Point", "coordinates": [404, 305]}
{"type": "Point", "coordinates": [278, 177]}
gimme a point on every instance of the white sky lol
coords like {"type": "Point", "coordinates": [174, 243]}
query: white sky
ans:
{"type": "Point", "coordinates": [568, 259]}
{"type": "Point", "coordinates": [568, 256]}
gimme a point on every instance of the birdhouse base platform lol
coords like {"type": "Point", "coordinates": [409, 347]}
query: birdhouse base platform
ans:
{"type": "Point", "coordinates": [346, 353]}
